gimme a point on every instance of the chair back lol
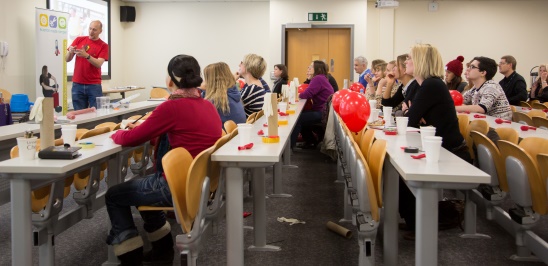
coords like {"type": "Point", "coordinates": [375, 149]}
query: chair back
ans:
{"type": "Point", "coordinates": [367, 197]}
{"type": "Point", "coordinates": [366, 141]}
{"type": "Point", "coordinates": [538, 105]}
{"type": "Point", "coordinates": [524, 104]}
{"type": "Point", "coordinates": [509, 134]}
{"type": "Point", "coordinates": [490, 160]}
{"type": "Point", "coordinates": [230, 126]}
{"type": "Point", "coordinates": [464, 120]}
{"type": "Point", "coordinates": [215, 167]}
{"type": "Point", "coordinates": [110, 125]}
{"type": "Point", "coordinates": [259, 114]}
{"type": "Point", "coordinates": [537, 112]}
{"type": "Point", "coordinates": [80, 132]}
{"type": "Point", "coordinates": [376, 162]}
{"type": "Point", "coordinates": [513, 108]}
{"type": "Point", "coordinates": [530, 102]}
{"type": "Point", "coordinates": [176, 164]}
{"type": "Point", "coordinates": [522, 118]}
{"type": "Point", "coordinates": [156, 93]}
{"type": "Point", "coordinates": [527, 188]}
{"type": "Point", "coordinates": [82, 177]}
{"type": "Point", "coordinates": [480, 126]}
{"type": "Point", "coordinates": [251, 118]}
{"type": "Point", "coordinates": [6, 95]}
{"type": "Point", "coordinates": [540, 122]}
{"type": "Point", "coordinates": [94, 132]}
{"type": "Point", "coordinates": [542, 160]}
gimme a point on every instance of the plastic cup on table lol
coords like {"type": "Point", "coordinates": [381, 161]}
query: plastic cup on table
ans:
{"type": "Point", "coordinates": [432, 148]}
{"type": "Point", "coordinates": [103, 104]}
{"type": "Point", "coordinates": [387, 112]}
{"type": "Point", "coordinates": [68, 133]}
{"type": "Point", "coordinates": [427, 132]}
{"type": "Point", "coordinates": [282, 106]}
{"type": "Point", "coordinates": [401, 124]}
{"type": "Point", "coordinates": [244, 133]}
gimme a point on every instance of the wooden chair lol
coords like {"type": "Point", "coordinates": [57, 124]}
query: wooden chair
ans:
{"type": "Point", "coordinates": [157, 93]}
{"type": "Point", "coordinates": [110, 125]}
{"type": "Point", "coordinates": [464, 120]}
{"type": "Point", "coordinates": [538, 106]}
{"type": "Point", "coordinates": [80, 132]}
{"type": "Point", "coordinates": [530, 102]}
{"type": "Point", "coordinates": [522, 118]}
{"type": "Point", "coordinates": [6, 95]}
{"type": "Point", "coordinates": [542, 160]}
{"type": "Point", "coordinates": [490, 161]}
{"type": "Point", "coordinates": [480, 126]}
{"type": "Point", "coordinates": [259, 114]}
{"type": "Point", "coordinates": [524, 104]}
{"type": "Point", "coordinates": [540, 122]}
{"type": "Point", "coordinates": [366, 141]}
{"type": "Point", "coordinates": [513, 108]}
{"type": "Point", "coordinates": [376, 161]}
{"type": "Point", "coordinates": [536, 113]}
{"type": "Point", "coordinates": [509, 134]}
{"type": "Point", "coordinates": [189, 186]}
{"type": "Point", "coordinates": [81, 179]}
{"type": "Point", "coordinates": [251, 118]}
{"type": "Point", "coordinates": [230, 126]}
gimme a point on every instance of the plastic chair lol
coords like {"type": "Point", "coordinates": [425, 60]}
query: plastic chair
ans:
{"type": "Point", "coordinates": [536, 113]}
{"type": "Point", "coordinates": [538, 106]}
{"type": "Point", "coordinates": [540, 122]}
{"type": "Point", "coordinates": [6, 95]}
{"type": "Point", "coordinates": [522, 118]}
{"type": "Point", "coordinates": [542, 160]}
{"type": "Point", "coordinates": [230, 126]}
{"type": "Point", "coordinates": [80, 132]}
{"type": "Point", "coordinates": [110, 125]}
{"type": "Point", "coordinates": [81, 178]}
{"type": "Point", "coordinates": [509, 134]}
{"type": "Point", "coordinates": [251, 118]}
{"type": "Point", "coordinates": [513, 108]}
{"type": "Point", "coordinates": [490, 161]}
{"type": "Point", "coordinates": [376, 163]}
{"type": "Point", "coordinates": [480, 126]}
{"type": "Point", "coordinates": [464, 120]}
{"type": "Point", "coordinates": [157, 93]}
{"type": "Point", "coordinates": [366, 141]}
{"type": "Point", "coordinates": [524, 104]}
{"type": "Point", "coordinates": [259, 114]}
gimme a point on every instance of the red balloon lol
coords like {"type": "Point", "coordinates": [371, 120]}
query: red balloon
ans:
{"type": "Point", "coordinates": [457, 97]}
{"type": "Point", "coordinates": [337, 97]}
{"type": "Point", "coordinates": [356, 86]}
{"type": "Point", "coordinates": [242, 83]}
{"type": "Point", "coordinates": [302, 88]}
{"type": "Point", "coordinates": [355, 111]}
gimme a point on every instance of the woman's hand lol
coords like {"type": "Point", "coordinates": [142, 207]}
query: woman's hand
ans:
{"type": "Point", "coordinates": [367, 78]}
{"type": "Point", "coordinates": [133, 125]}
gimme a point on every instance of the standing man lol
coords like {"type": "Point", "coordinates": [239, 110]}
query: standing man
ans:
{"type": "Point", "coordinates": [513, 83]}
{"type": "Point", "coordinates": [91, 52]}
{"type": "Point", "coordinates": [360, 66]}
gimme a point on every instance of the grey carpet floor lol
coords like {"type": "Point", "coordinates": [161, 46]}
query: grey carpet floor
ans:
{"type": "Point", "coordinates": [316, 199]}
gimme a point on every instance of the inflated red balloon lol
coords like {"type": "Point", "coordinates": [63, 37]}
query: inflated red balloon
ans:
{"type": "Point", "coordinates": [242, 83]}
{"type": "Point", "coordinates": [337, 97]}
{"type": "Point", "coordinates": [457, 97]}
{"type": "Point", "coordinates": [302, 88]}
{"type": "Point", "coordinates": [356, 86]}
{"type": "Point", "coordinates": [355, 111]}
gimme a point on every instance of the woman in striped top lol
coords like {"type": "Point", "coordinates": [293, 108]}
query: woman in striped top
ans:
{"type": "Point", "coordinates": [252, 68]}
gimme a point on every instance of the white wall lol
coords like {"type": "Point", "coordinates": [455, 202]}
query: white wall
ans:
{"type": "Point", "coordinates": [226, 31]}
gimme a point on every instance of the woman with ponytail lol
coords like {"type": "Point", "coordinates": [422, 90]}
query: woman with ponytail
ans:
{"type": "Point", "coordinates": [184, 120]}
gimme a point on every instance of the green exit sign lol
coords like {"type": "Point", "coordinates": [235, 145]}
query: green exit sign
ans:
{"type": "Point", "coordinates": [317, 16]}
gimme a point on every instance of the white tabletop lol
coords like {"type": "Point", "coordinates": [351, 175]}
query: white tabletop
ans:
{"type": "Point", "coordinates": [104, 147]}
{"type": "Point", "coordinates": [541, 133]}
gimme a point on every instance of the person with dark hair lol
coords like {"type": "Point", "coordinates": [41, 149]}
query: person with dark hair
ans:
{"type": "Point", "coordinates": [252, 68]}
{"type": "Point", "coordinates": [513, 84]}
{"type": "Point", "coordinates": [280, 72]}
{"type": "Point", "coordinates": [330, 78]}
{"type": "Point", "coordinates": [453, 72]}
{"type": "Point", "coordinates": [539, 89]}
{"type": "Point", "coordinates": [175, 123]}
{"type": "Point", "coordinates": [318, 91]}
{"type": "Point", "coordinates": [45, 77]}
{"type": "Point", "coordinates": [91, 52]}
{"type": "Point", "coordinates": [487, 96]}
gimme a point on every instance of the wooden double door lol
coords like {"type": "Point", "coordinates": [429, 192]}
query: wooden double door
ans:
{"type": "Point", "coordinates": [331, 45]}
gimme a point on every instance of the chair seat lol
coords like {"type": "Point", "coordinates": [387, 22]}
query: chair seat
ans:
{"type": "Point", "coordinates": [152, 208]}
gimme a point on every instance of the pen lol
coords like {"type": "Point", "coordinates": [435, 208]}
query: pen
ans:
{"type": "Point", "coordinates": [136, 120]}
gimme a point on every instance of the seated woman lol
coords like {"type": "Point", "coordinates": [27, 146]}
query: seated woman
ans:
{"type": "Point", "coordinates": [252, 68]}
{"type": "Point", "coordinates": [432, 105]}
{"type": "Point", "coordinates": [175, 121]}
{"type": "Point", "coordinates": [222, 91]}
{"type": "Point", "coordinates": [383, 87]}
{"type": "Point", "coordinates": [330, 78]}
{"type": "Point", "coordinates": [487, 96]}
{"type": "Point", "coordinates": [406, 90]}
{"type": "Point", "coordinates": [318, 91]}
{"type": "Point", "coordinates": [453, 72]}
{"type": "Point", "coordinates": [538, 89]}
{"type": "Point", "coordinates": [374, 80]}
{"type": "Point", "coordinates": [280, 72]}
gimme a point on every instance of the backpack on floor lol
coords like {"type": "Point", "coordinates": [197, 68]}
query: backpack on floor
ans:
{"type": "Point", "coordinates": [450, 214]}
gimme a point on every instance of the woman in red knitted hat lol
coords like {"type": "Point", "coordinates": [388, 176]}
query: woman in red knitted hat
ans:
{"type": "Point", "coordinates": [453, 72]}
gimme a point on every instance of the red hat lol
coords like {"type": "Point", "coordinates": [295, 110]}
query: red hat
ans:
{"type": "Point", "coordinates": [455, 66]}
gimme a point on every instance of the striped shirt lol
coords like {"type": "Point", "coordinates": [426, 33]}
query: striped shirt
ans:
{"type": "Point", "coordinates": [490, 96]}
{"type": "Point", "coordinates": [252, 98]}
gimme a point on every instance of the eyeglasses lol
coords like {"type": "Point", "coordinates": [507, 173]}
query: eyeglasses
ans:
{"type": "Point", "coordinates": [470, 67]}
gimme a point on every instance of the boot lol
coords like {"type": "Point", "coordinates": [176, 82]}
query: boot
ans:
{"type": "Point", "coordinates": [162, 247]}
{"type": "Point", "coordinates": [130, 252]}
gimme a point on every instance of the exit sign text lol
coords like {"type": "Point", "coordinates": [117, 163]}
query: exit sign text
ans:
{"type": "Point", "coordinates": [317, 16]}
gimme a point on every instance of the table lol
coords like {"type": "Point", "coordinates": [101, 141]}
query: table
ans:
{"type": "Point", "coordinates": [260, 156]}
{"type": "Point", "coordinates": [539, 132]}
{"type": "Point", "coordinates": [24, 174]}
{"type": "Point", "coordinates": [122, 90]}
{"type": "Point", "coordinates": [425, 180]}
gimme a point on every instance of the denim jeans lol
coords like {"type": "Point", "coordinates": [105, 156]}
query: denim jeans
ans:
{"type": "Point", "coordinates": [151, 190]}
{"type": "Point", "coordinates": [306, 119]}
{"type": "Point", "coordinates": [84, 95]}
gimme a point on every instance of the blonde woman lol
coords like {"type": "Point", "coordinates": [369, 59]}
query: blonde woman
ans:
{"type": "Point", "coordinates": [538, 89]}
{"type": "Point", "coordinates": [221, 90]}
{"type": "Point", "coordinates": [252, 68]}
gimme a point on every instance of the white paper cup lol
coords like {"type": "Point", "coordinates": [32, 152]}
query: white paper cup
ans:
{"type": "Point", "coordinates": [244, 133]}
{"type": "Point", "coordinates": [103, 104]}
{"type": "Point", "coordinates": [401, 124]}
{"type": "Point", "coordinates": [68, 126]}
{"type": "Point", "coordinates": [432, 148]}
{"type": "Point", "coordinates": [387, 112]}
{"type": "Point", "coordinates": [69, 135]}
{"type": "Point", "coordinates": [373, 104]}
{"type": "Point", "coordinates": [374, 115]}
{"type": "Point", "coordinates": [427, 132]}
{"type": "Point", "coordinates": [282, 106]}
{"type": "Point", "coordinates": [27, 148]}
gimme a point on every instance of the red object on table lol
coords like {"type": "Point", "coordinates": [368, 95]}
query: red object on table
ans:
{"type": "Point", "coordinates": [479, 116]}
{"type": "Point", "coordinates": [245, 147]}
{"type": "Point", "coordinates": [260, 132]}
{"type": "Point", "coordinates": [283, 114]}
{"type": "Point", "coordinates": [419, 156]}
{"type": "Point", "coordinates": [525, 128]}
{"type": "Point", "coordinates": [500, 121]}
{"type": "Point", "coordinates": [355, 111]}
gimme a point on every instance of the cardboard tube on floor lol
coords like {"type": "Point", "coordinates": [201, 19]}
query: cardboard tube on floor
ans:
{"type": "Point", "coordinates": [339, 229]}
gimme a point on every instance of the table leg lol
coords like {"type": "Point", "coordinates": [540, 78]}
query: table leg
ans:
{"type": "Point", "coordinates": [21, 224]}
{"type": "Point", "coordinates": [391, 197]}
{"type": "Point", "coordinates": [426, 223]}
{"type": "Point", "coordinates": [234, 217]}
{"type": "Point", "coordinates": [278, 176]}
{"type": "Point", "coordinates": [259, 213]}
{"type": "Point", "coordinates": [287, 156]}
